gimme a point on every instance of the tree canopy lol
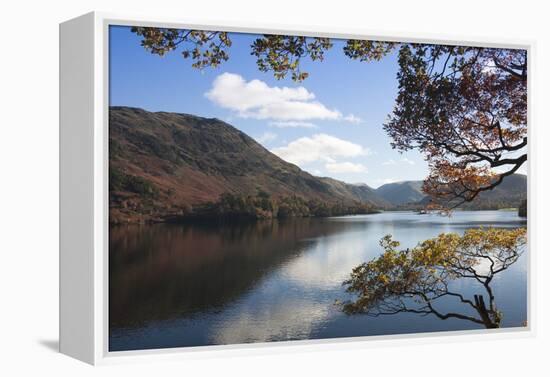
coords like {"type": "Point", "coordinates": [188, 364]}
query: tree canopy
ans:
{"type": "Point", "coordinates": [463, 107]}
{"type": "Point", "coordinates": [416, 280]}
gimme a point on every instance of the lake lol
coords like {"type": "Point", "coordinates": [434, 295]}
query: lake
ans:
{"type": "Point", "coordinates": [193, 285]}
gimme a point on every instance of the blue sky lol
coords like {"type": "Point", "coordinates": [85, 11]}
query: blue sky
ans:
{"type": "Point", "coordinates": [329, 125]}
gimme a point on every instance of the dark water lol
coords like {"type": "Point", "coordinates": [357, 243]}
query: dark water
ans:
{"type": "Point", "coordinates": [183, 285]}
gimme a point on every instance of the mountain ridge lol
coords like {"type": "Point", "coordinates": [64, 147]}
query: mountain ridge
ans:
{"type": "Point", "coordinates": [402, 192]}
{"type": "Point", "coordinates": [509, 193]}
{"type": "Point", "coordinates": [162, 163]}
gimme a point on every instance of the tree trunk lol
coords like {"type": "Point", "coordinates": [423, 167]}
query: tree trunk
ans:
{"type": "Point", "coordinates": [484, 313]}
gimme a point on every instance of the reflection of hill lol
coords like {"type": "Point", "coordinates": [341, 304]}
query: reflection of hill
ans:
{"type": "Point", "coordinates": [166, 271]}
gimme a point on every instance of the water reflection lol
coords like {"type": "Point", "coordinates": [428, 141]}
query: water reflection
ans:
{"type": "Point", "coordinates": [165, 271]}
{"type": "Point", "coordinates": [182, 285]}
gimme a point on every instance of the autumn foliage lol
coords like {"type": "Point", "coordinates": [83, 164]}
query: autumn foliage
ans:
{"type": "Point", "coordinates": [463, 107]}
{"type": "Point", "coordinates": [413, 280]}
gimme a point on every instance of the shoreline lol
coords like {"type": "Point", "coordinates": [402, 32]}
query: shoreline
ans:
{"type": "Point", "coordinates": [206, 220]}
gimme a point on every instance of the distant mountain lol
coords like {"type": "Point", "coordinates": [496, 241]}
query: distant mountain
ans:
{"type": "Point", "coordinates": [509, 193]}
{"type": "Point", "coordinates": [401, 192]}
{"type": "Point", "coordinates": [162, 163]}
{"type": "Point", "coordinates": [361, 191]}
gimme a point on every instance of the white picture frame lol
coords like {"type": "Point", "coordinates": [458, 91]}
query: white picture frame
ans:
{"type": "Point", "coordinates": [84, 228]}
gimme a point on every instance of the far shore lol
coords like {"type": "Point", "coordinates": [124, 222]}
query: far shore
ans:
{"type": "Point", "coordinates": [186, 219]}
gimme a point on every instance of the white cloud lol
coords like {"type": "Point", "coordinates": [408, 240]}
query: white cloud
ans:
{"type": "Point", "coordinates": [292, 124]}
{"type": "Point", "coordinates": [352, 119]}
{"type": "Point", "coordinates": [345, 167]}
{"type": "Point", "coordinates": [319, 147]}
{"type": "Point", "coordinates": [403, 160]}
{"type": "Point", "coordinates": [256, 99]}
{"type": "Point", "coordinates": [266, 137]}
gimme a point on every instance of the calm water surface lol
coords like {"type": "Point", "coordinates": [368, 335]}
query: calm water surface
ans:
{"type": "Point", "coordinates": [192, 285]}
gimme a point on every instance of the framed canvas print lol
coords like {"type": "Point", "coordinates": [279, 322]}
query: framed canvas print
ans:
{"type": "Point", "coordinates": [225, 187]}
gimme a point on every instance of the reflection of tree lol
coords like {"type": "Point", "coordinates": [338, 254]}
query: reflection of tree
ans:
{"type": "Point", "coordinates": [415, 280]}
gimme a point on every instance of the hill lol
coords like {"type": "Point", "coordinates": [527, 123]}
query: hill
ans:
{"type": "Point", "coordinates": [162, 164]}
{"type": "Point", "coordinates": [510, 193]}
{"type": "Point", "coordinates": [408, 194]}
{"type": "Point", "coordinates": [401, 192]}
